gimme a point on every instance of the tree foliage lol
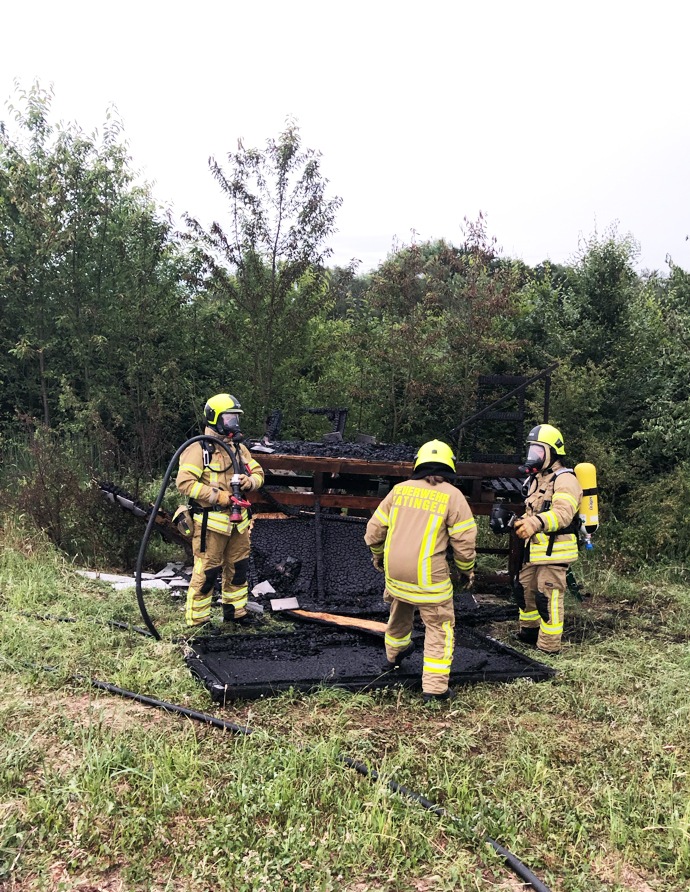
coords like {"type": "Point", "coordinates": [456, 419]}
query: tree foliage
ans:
{"type": "Point", "coordinates": [115, 329]}
{"type": "Point", "coordinates": [91, 286]}
{"type": "Point", "coordinates": [267, 271]}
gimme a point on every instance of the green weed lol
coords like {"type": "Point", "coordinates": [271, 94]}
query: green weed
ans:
{"type": "Point", "coordinates": [584, 777]}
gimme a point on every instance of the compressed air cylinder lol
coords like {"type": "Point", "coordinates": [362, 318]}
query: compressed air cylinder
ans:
{"type": "Point", "coordinates": [586, 475]}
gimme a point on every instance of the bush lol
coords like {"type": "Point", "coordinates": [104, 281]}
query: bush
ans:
{"type": "Point", "coordinates": [658, 514]}
{"type": "Point", "coordinates": [49, 480]}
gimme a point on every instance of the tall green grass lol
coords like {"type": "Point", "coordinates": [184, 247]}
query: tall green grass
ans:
{"type": "Point", "coordinates": [584, 777]}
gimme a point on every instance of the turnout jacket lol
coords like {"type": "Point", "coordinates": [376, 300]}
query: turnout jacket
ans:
{"type": "Point", "coordinates": [554, 497]}
{"type": "Point", "coordinates": [412, 528]}
{"type": "Point", "coordinates": [202, 482]}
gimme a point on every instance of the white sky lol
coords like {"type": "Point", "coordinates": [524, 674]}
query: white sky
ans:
{"type": "Point", "coordinates": [553, 118]}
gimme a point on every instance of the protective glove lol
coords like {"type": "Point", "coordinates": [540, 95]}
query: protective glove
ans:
{"type": "Point", "coordinates": [246, 483]}
{"type": "Point", "coordinates": [377, 562]}
{"type": "Point", "coordinates": [467, 580]}
{"type": "Point", "coordinates": [527, 526]}
{"type": "Point", "coordinates": [224, 499]}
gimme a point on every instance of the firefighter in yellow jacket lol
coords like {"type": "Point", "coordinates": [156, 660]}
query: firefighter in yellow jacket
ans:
{"type": "Point", "coordinates": [408, 536]}
{"type": "Point", "coordinates": [549, 528]}
{"type": "Point", "coordinates": [221, 527]}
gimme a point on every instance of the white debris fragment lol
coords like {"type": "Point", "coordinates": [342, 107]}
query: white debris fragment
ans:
{"type": "Point", "coordinates": [263, 588]}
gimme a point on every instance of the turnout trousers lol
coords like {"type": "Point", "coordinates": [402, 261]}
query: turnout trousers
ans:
{"type": "Point", "coordinates": [540, 599]}
{"type": "Point", "coordinates": [439, 638]}
{"type": "Point", "coordinates": [226, 555]}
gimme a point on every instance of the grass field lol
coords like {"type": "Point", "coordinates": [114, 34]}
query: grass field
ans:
{"type": "Point", "coordinates": [584, 778]}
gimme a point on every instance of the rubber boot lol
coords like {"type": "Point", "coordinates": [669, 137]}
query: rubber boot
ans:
{"type": "Point", "coordinates": [245, 619]}
{"type": "Point", "coordinates": [389, 667]}
{"type": "Point", "coordinates": [528, 637]}
{"type": "Point", "coordinates": [448, 694]}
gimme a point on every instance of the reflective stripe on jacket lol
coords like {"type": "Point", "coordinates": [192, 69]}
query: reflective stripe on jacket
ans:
{"type": "Point", "coordinates": [554, 497]}
{"type": "Point", "coordinates": [202, 483]}
{"type": "Point", "coordinates": [412, 528]}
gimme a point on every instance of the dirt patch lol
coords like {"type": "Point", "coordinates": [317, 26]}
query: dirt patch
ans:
{"type": "Point", "coordinates": [109, 881]}
{"type": "Point", "coordinates": [610, 870]}
{"type": "Point", "coordinates": [113, 712]}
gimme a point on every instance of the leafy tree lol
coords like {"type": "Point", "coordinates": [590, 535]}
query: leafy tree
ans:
{"type": "Point", "coordinates": [662, 337]}
{"type": "Point", "coordinates": [93, 307]}
{"type": "Point", "coordinates": [438, 313]}
{"type": "Point", "coordinates": [266, 273]}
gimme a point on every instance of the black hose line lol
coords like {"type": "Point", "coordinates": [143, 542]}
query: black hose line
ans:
{"type": "Point", "coordinates": [115, 623]}
{"type": "Point", "coordinates": [511, 860]}
{"type": "Point", "coordinates": [204, 717]}
{"type": "Point", "coordinates": [152, 521]}
{"type": "Point", "coordinates": [514, 863]}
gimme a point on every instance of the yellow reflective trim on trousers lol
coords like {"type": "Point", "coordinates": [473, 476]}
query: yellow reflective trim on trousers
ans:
{"type": "Point", "coordinates": [555, 627]}
{"type": "Point", "coordinates": [436, 670]}
{"type": "Point", "coordinates": [197, 608]}
{"type": "Point", "coordinates": [195, 490]}
{"type": "Point", "coordinates": [448, 642]}
{"type": "Point", "coordinates": [529, 616]}
{"type": "Point", "coordinates": [442, 666]}
{"type": "Point", "coordinates": [568, 498]}
{"type": "Point", "coordinates": [193, 469]}
{"type": "Point", "coordinates": [427, 549]}
{"type": "Point", "coordinates": [462, 526]}
{"type": "Point", "coordinates": [551, 629]}
{"type": "Point", "coordinates": [238, 598]}
{"type": "Point", "coordinates": [397, 642]}
{"type": "Point", "coordinates": [439, 663]}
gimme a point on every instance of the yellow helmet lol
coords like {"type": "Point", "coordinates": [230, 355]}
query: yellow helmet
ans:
{"type": "Point", "coordinates": [548, 436]}
{"type": "Point", "coordinates": [544, 445]}
{"type": "Point", "coordinates": [221, 413]}
{"type": "Point", "coordinates": [435, 452]}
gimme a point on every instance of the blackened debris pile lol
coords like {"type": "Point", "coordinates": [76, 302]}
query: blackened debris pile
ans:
{"type": "Point", "coordinates": [284, 554]}
{"type": "Point", "coordinates": [379, 452]}
{"type": "Point", "coordinates": [253, 666]}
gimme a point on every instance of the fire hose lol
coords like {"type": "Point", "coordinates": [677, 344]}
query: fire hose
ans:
{"type": "Point", "coordinates": [154, 512]}
{"type": "Point", "coordinates": [511, 860]}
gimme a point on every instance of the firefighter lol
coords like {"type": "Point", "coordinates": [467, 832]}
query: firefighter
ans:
{"type": "Point", "coordinates": [408, 536]}
{"type": "Point", "coordinates": [220, 544]}
{"type": "Point", "coordinates": [549, 529]}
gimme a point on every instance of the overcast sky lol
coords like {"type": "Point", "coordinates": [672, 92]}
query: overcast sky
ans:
{"type": "Point", "coordinates": [555, 119]}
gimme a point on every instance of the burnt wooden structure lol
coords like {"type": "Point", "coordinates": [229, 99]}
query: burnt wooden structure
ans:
{"type": "Point", "coordinates": [359, 485]}
{"type": "Point", "coordinates": [355, 487]}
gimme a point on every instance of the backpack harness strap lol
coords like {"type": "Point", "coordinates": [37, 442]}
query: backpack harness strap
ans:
{"type": "Point", "coordinates": [573, 526]}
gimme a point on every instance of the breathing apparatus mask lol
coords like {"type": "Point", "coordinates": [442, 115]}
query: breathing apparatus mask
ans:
{"type": "Point", "coordinates": [536, 458]}
{"type": "Point", "coordinates": [228, 424]}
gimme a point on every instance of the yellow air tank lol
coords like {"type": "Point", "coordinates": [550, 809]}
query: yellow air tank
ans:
{"type": "Point", "coordinates": [586, 475]}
